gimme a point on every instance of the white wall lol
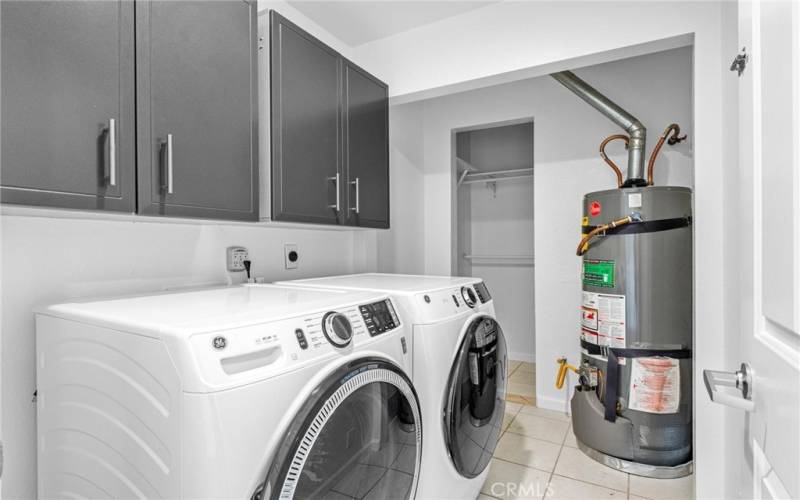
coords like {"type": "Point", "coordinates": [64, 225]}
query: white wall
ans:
{"type": "Point", "coordinates": [400, 249]}
{"type": "Point", "coordinates": [656, 88]}
{"type": "Point", "coordinates": [48, 258]}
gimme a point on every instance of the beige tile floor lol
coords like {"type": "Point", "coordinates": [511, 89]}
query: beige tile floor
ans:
{"type": "Point", "coordinates": [537, 457]}
{"type": "Point", "coordinates": [522, 382]}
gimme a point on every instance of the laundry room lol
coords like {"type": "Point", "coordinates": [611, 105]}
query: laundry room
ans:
{"type": "Point", "coordinates": [415, 249]}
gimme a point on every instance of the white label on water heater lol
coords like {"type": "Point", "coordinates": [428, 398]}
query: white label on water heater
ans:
{"type": "Point", "coordinates": [603, 319]}
{"type": "Point", "coordinates": [635, 200]}
{"type": "Point", "coordinates": [655, 385]}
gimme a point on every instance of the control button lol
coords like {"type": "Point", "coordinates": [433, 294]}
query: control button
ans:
{"type": "Point", "coordinates": [301, 338]}
{"type": "Point", "coordinates": [403, 343]}
{"type": "Point", "coordinates": [337, 328]}
{"type": "Point", "coordinates": [455, 299]}
{"type": "Point", "coordinates": [427, 299]}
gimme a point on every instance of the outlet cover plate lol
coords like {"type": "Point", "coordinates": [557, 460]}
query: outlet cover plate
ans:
{"type": "Point", "coordinates": [236, 257]}
{"type": "Point", "coordinates": [288, 250]}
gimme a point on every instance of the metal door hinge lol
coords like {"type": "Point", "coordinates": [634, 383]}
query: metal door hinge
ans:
{"type": "Point", "coordinates": [740, 62]}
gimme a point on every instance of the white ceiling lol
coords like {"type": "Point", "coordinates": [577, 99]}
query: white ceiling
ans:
{"type": "Point", "coordinates": [361, 21]}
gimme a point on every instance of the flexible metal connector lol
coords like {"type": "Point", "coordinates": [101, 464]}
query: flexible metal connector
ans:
{"type": "Point", "coordinates": [634, 128]}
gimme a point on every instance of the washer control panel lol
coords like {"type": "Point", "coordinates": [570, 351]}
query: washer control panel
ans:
{"type": "Point", "coordinates": [333, 328]}
{"type": "Point", "coordinates": [259, 350]}
{"type": "Point", "coordinates": [380, 317]}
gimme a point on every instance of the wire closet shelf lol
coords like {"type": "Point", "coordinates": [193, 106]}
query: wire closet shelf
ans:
{"type": "Point", "coordinates": [503, 260]}
{"type": "Point", "coordinates": [470, 174]}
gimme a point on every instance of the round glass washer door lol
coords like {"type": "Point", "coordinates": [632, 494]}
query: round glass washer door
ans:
{"type": "Point", "coordinates": [357, 437]}
{"type": "Point", "coordinates": [476, 394]}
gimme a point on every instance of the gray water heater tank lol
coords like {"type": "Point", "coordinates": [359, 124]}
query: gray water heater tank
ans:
{"type": "Point", "coordinates": [633, 407]}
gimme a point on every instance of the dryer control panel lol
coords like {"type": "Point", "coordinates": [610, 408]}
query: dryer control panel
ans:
{"type": "Point", "coordinates": [442, 304]}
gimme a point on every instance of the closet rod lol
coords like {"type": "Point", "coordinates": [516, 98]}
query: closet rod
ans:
{"type": "Point", "coordinates": [502, 172]}
{"type": "Point", "coordinates": [467, 180]}
{"type": "Point", "coordinates": [497, 257]}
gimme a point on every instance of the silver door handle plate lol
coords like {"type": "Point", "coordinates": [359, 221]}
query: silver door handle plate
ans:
{"type": "Point", "coordinates": [112, 152]}
{"type": "Point", "coordinates": [741, 379]}
{"type": "Point", "coordinates": [335, 181]}
{"type": "Point", "coordinates": [169, 164]}
{"type": "Point", "coordinates": [357, 208]}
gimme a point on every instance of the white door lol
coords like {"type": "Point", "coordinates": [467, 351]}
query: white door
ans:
{"type": "Point", "coordinates": [764, 433]}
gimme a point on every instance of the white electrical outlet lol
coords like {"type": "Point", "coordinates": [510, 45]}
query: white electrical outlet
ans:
{"type": "Point", "coordinates": [236, 258]}
{"type": "Point", "coordinates": [291, 255]}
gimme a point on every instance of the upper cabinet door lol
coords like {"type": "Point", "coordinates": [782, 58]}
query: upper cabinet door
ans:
{"type": "Point", "coordinates": [68, 104]}
{"type": "Point", "coordinates": [305, 133]}
{"type": "Point", "coordinates": [197, 108]}
{"type": "Point", "coordinates": [366, 148]}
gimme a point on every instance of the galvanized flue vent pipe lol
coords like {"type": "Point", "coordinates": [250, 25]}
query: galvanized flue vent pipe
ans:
{"type": "Point", "coordinates": [634, 128]}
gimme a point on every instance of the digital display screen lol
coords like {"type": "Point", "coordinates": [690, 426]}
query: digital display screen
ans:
{"type": "Point", "coordinates": [379, 317]}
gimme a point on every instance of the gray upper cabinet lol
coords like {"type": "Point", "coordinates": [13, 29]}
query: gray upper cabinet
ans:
{"type": "Point", "coordinates": [366, 152]}
{"type": "Point", "coordinates": [329, 134]}
{"type": "Point", "coordinates": [197, 108]}
{"type": "Point", "coordinates": [305, 129]}
{"type": "Point", "coordinates": [68, 121]}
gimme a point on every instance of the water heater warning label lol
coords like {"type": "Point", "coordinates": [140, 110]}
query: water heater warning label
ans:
{"type": "Point", "coordinates": [655, 385]}
{"type": "Point", "coordinates": [598, 273]}
{"type": "Point", "coordinates": [603, 319]}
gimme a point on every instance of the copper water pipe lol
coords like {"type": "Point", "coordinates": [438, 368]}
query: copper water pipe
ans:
{"type": "Point", "coordinates": [676, 130]}
{"type": "Point", "coordinates": [608, 160]}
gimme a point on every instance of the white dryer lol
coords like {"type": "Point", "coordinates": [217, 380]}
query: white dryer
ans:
{"type": "Point", "coordinates": [236, 392]}
{"type": "Point", "coordinates": [459, 369]}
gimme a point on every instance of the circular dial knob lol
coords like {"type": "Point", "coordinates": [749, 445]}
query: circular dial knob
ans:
{"type": "Point", "coordinates": [469, 296]}
{"type": "Point", "coordinates": [337, 329]}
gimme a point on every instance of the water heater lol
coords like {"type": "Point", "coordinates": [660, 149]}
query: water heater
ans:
{"type": "Point", "coordinates": [634, 398]}
{"type": "Point", "coordinates": [632, 406]}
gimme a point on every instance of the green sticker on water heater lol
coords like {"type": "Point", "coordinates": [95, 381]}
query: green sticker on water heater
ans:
{"type": "Point", "coordinates": [598, 273]}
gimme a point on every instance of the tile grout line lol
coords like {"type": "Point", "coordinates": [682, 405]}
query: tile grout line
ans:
{"type": "Point", "coordinates": [519, 465]}
{"type": "Point", "coordinates": [553, 472]}
{"type": "Point", "coordinates": [550, 479]}
{"type": "Point", "coordinates": [629, 487]}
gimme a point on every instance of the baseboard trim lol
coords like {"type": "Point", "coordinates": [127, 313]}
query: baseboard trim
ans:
{"type": "Point", "coordinates": [522, 356]}
{"type": "Point", "coordinates": [556, 404]}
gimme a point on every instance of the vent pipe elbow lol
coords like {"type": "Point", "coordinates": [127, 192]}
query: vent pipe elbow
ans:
{"type": "Point", "coordinates": [634, 128]}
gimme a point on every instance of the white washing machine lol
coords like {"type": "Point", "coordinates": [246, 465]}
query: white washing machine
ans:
{"type": "Point", "coordinates": [459, 369]}
{"type": "Point", "coordinates": [236, 392]}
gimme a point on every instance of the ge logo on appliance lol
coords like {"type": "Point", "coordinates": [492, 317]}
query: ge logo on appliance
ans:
{"type": "Point", "coordinates": [219, 342]}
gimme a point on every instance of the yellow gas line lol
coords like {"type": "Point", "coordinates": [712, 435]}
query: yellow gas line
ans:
{"type": "Point", "coordinates": [563, 366]}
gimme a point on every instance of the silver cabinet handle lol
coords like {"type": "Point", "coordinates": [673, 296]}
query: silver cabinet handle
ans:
{"type": "Point", "coordinates": [335, 181]}
{"type": "Point", "coordinates": [112, 152]}
{"type": "Point", "coordinates": [741, 379]}
{"type": "Point", "coordinates": [357, 208]}
{"type": "Point", "coordinates": [169, 164]}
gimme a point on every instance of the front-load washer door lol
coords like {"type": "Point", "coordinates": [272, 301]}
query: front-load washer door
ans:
{"type": "Point", "coordinates": [475, 399]}
{"type": "Point", "coordinates": [358, 436]}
